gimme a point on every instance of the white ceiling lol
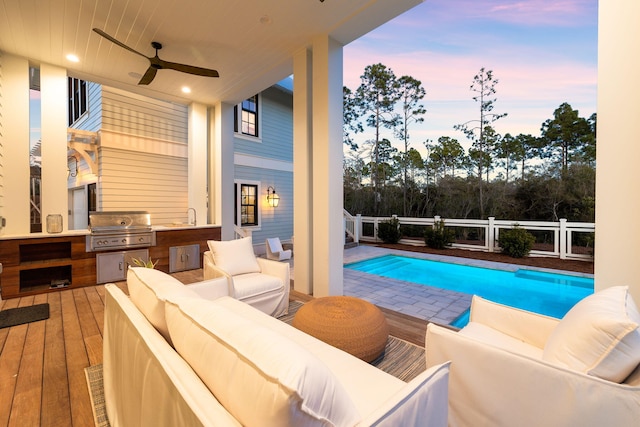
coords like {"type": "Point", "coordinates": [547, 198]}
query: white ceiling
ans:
{"type": "Point", "coordinates": [249, 42]}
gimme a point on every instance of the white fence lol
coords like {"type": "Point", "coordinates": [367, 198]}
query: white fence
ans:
{"type": "Point", "coordinates": [562, 239]}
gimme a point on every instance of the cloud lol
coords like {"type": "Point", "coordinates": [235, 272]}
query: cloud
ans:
{"type": "Point", "coordinates": [444, 44]}
{"type": "Point", "coordinates": [564, 13]}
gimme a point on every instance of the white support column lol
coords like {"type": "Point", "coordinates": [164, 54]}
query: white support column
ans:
{"type": "Point", "coordinates": [197, 161]}
{"type": "Point", "coordinates": [327, 155]}
{"type": "Point", "coordinates": [15, 144]}
{"type": "Point", "coordinates": [222, 169]}
{"type": "Point", "coordinates": [302, 172]}
{"type": "Point", "coordinates": [54, 96]}
{"type": "Point", "coordinates": [617, 197]}
{"type": "Point", "coordinates": [318, 190]}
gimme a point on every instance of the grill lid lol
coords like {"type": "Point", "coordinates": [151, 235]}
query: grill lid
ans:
{"type": "Point", "coordinates": [119, 221]}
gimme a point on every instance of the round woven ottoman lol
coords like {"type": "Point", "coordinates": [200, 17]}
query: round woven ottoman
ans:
{"type": "Point", "coordinates": [348, 323]}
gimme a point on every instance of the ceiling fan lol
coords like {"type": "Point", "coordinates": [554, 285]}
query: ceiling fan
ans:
{"type": "Point", "coordinates": [158, 64]}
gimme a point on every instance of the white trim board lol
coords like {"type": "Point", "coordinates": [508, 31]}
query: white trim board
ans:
{"type": "Point", "coordinates": [262, 162]}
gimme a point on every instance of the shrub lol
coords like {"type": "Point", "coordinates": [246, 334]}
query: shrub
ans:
{"type": "Point", "coordinates": [516, 242]}
{"type": "Point", "coordinates": [389, 230]}
{"type": "Point", "coordinates": [438, 236]}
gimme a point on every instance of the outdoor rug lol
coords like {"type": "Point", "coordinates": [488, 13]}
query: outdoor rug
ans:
{"type": "Point", "coordinates": [401, 359]}
{"type": "Point", "coordinates": [18, 316]}
{"type": "Point", "coordinates": [96, 393]}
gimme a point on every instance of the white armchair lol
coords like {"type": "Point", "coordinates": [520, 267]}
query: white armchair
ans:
{"type": "Point", "coordinates": [515, 368]}
{"type": "Point", "coordinates": [259, 282]}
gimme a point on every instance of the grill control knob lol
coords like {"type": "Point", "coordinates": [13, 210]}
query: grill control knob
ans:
{"type": "Point", "coordinates": [124, 240]}
{"type": "Point", "coordinates": [141, 239]}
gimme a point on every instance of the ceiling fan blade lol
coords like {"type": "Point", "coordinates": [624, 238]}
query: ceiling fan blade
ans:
{"type": "Point", "coordinates": [119, 43]}
{"type": "Point", "coordinates": [148, 76]}
{"type": "Point", "coordinates": [190, 69]}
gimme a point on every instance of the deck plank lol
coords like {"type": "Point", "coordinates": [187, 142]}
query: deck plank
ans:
{"type": "Point", "coordinates": [89, 324]}
{"type": "Point", "coordinates": [77, 360]}
{"type": "Point", "coordinates": [7, 304]}
{"type": "Point", "coordinates": [56, 408]}
{"type": "Point", "coordinates": [26, 407]}
{"type": "Point", "coordinates": [10, 360]}
{"type": "Point", "coordinates": [96, 304]}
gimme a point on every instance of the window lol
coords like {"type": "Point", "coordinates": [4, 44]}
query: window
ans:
{"type": "Point", "coordinates": [246, 117]}
{"type": "Point", "coordinates": [248, 205]}
{"type": "Point", "coordinates": [77, 99]}
{"type": "Point", "coordinates": [35, 151]}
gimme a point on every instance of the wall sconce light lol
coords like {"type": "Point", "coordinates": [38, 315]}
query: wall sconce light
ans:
{"type": "Point", "coordinates": [272, 198]}
{"type": "Point", "coordinates": [75, 172]}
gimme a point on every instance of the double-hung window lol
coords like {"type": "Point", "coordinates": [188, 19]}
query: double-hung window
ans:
{"type": "Point", "coordinates": [247, 206]}
{"type": "Point", "coordinates": [246, 117]}
{"type": "Point", "coordinates": [77, 99]}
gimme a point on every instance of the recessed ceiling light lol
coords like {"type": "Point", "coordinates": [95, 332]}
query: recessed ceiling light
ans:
{"type": "Point", "coordinates": [186, 89]}
{"type": "Point", "coordinates": [73, 58]}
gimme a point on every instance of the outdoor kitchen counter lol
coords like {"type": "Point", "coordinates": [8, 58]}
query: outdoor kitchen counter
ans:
{"type": "Point", "coordinates": [182, 227]}
{"type": "Point", "coordinates": [65, 233]}
{"type": "Point", "coordinates": [36, 263]}
{"type": "Point", "coordinates": [85, 232]}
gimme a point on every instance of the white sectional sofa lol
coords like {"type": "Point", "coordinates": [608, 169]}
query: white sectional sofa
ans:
{"type": "Point", "coordinates": [172, 357]}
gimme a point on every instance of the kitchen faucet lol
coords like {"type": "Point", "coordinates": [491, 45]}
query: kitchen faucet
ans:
{"type": "Point", "coordinates": [194, 216]}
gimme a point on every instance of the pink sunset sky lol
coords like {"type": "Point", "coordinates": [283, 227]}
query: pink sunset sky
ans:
{"type": "Point", "coordinates": [543, 53]}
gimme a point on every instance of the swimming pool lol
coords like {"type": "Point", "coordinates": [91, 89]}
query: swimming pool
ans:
{"type": "Point", "coordinates": [547, 293]}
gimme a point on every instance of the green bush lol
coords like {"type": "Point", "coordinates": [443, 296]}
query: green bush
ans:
{"type": "Point", "coordinates": [438, 236]}
{"type": "Point", "coordinates": [516, 242]}
{"type": "Point", "coordinates": [389, 230]}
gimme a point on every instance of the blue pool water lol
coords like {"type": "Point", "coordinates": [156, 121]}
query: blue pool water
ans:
{"type": "Point", "coordinates": [541, 292]}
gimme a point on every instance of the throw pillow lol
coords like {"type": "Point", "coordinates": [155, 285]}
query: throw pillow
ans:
{"type": "Point", "coordinates": [234, 256]}
{"type": "Point", "coordinates": [259, 376]}
{"type": "Point", "coordinates": [149, 289]}
{"type": "Point", "coordinates": [598, 336]}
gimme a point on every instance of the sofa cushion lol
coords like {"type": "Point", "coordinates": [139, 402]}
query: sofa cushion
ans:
{"type": "Point", "coordinates": [149, 288]}
{"type": "Point", "coordinates": [234, 256]}
{"type": "Point", "coordinates": [598, 336]}
{"type": "Point", "coordinates": [260, 377]}
{"type": "Point", "coordinates": [253, 284]}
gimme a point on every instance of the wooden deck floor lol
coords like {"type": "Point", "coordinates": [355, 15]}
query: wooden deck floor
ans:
{"type": "Point", "coordinates": [42, 380]}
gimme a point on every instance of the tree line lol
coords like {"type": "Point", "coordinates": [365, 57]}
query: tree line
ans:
{"type": "Point", "coordinates": [521, 177]}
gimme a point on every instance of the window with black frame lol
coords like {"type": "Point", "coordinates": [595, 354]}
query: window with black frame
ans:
{"type": "Point", "coordinates": [77, 99]}
{"type": "Point", "coordinates": [246, 117]}
{"type": "Point", "coordinates": [248, 205]}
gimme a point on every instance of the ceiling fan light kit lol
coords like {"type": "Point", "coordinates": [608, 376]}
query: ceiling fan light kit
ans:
{"type": "Point", "coordinates": [155, 63]}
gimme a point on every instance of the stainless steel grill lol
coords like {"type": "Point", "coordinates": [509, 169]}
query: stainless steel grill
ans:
{"type": "Point", "coordinates": [120, 230]}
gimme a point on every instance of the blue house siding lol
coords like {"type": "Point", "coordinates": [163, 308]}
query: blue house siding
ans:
{"type": "Point", "coordinates": [92, 119]}
{"type": "Point", "coordinates": [269, 161]}
{"type": "Point", "coordinates": [275, 222]}
{"type": "Point", "coordinates": [276, 117]}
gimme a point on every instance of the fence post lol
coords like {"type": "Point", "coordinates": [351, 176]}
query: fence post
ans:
{"type": "Point", "coordinates": [491, 234]}
{"type": "Point", "coordinates": [563, 238]}
{"type": "Point", "coordinates": [375, 229]}
{"type": "Point", "coordinates": [357, 228]}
